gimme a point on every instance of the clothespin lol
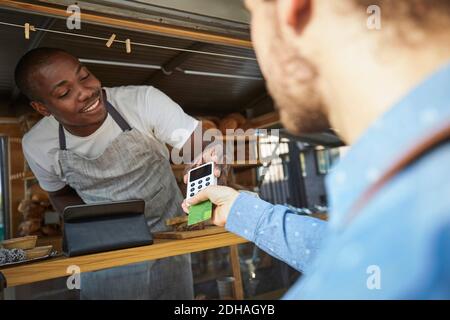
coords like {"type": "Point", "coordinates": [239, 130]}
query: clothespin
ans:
{"type": "Point", "coordinates": [28, 27]}
{"type": "Point", "coordinates": [128, 45]}
{"type": "Point", "coordinates": [111, 40]}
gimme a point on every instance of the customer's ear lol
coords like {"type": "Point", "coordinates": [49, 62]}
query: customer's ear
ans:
{"type": "Point", "coordinates": [294, 14]}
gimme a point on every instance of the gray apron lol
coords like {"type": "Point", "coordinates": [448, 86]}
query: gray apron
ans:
{"type": "Point", "coordinates": [133, 166]}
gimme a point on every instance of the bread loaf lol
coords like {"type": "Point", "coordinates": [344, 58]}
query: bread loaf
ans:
{"type": "Point", "coordinates": [228, 123]}
{"type": "Point", "coordinates": [232, 121]}
{"type": "Point", "coordinates": [29, 227]}
{"type": "Point", "coordinates": [208, 124]}
{"type": "Point", "coordinates": [239, 118]}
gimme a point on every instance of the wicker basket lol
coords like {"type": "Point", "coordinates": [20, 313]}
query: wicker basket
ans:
{"type": "Point", "coordinates": [24, 243]}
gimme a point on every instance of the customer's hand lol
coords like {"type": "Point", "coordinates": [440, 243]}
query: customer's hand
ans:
{"type": "Point", "coordinates": [222, 197]}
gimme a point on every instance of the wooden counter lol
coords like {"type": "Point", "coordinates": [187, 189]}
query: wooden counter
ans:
{"type": "Point", "coordinates": [57, 267]}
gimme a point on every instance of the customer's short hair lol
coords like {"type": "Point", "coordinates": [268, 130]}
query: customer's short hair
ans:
{"type": "Point", "coordinates": [29, 64]}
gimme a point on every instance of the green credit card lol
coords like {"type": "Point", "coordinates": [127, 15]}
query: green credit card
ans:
{"type": "Point", "coordinates": [200, 212]}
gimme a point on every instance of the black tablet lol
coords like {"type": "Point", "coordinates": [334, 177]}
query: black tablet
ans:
{"type": "Point", "coordinates": [103, 209]}
{"type": "Point", "coordinates": [99, 227]}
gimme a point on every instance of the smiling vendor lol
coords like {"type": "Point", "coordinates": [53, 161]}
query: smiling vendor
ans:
{"type": "Point", "coordinates": [106, 144]}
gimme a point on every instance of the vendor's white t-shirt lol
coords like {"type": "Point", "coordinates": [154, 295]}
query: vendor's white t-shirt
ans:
{"type": "Point", "coordinates": [145, 108]}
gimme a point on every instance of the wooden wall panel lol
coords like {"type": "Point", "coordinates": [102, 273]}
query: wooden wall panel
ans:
{"type": "Point", "coordinates": [17, 187]}
{"type": "Point", "coordinates": [11, 128]}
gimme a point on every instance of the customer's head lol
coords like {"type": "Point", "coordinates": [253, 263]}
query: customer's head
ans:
{"type": "Point", "coordinates": [320, 56]}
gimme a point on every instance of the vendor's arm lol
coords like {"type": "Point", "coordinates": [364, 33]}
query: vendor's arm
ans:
{"type": "Point", "coordinates": [63, 198]}
{"type": "Point", "coordinates": [290, 237]}
{"type": "Point", "coordinates": [171, 125]}
{"type": "Point", "coordinates": [165, 118]}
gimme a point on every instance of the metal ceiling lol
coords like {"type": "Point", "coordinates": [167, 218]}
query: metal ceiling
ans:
{"type": "Point", "coordinates": [195, 93]}
{"type": "Point", "coordinates": [227, 17]}
{"type": "Point", "coordinates": [10, 50]}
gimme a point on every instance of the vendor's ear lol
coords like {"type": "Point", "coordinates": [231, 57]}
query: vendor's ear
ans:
{"type": "Point", "coordinates": [294, 14]}
{"type": "Point", "coordinates": [40, 107]}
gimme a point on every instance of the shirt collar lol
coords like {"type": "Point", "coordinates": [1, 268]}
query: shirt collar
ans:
{"type": "Point", "coordinates": [416, 115]}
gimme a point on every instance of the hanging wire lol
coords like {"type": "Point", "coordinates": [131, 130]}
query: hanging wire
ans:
{"type": "Point", "coordinates": [133, 43]}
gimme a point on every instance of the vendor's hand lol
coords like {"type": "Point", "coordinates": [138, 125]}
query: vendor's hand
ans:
{"type": "Point", "coordinates": [222, 197]}
{"type": "Point", "coordinates": [211, 154]}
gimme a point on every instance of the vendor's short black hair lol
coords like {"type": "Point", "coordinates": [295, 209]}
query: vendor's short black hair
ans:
{"type": "Point", "coordinates": [28, 64]}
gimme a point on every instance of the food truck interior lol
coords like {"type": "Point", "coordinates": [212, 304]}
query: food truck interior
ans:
{"type": "Point", "coordinates": [200, 55]}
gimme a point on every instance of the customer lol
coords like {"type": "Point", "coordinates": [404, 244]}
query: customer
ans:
{"type": "Point", "coordinates": [386, 92]}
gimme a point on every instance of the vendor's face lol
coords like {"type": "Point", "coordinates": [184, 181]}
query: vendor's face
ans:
{"type": "Point", "coordinates": [68, 91]}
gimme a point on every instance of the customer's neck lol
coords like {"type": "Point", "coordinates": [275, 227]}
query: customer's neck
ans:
{"type": "Point", "coordinates": [377, 88]}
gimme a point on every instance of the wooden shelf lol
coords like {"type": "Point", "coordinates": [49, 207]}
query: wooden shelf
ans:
{"type": "Point", "coordinates": [267, 120]}
{"type": "Point", "coordinates": [29, 176]}
{"type": "Point", "coordinates": [246, 165]}
{"type": "Point", "coordinates": [22, 175]}
{"type": "Point", "coordinates": [178, 167]}
{"type": "Point", "coordinates": [134, 25]}
{"type": "Point", "coordinates": [238, 138]}
{"type": "Point", "coordinates": [57, 267]}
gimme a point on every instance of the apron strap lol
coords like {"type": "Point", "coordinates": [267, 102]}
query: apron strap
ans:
{"type": "Point", "coordinates": [117, 117]}
{"type": "Point", "coordinates": [121, 122]}
{"type": "Point", "coordinates": [430, 143]}
{"type": "Point", "coordinates": [62, 138]}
